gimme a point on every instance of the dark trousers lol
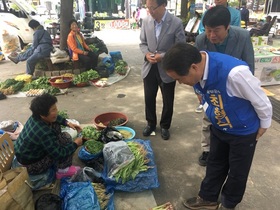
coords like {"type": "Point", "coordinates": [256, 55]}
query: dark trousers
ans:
{"type": "Point", "coordinates": [90, 61]}
{"type": "Point", "coordinates": [151, 83]}
{"type": "Point", "coordinates": [228, 166]}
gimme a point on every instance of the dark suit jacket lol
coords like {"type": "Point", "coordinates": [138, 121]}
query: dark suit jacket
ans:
{"type": "Point", "coordinates": [239, 45]}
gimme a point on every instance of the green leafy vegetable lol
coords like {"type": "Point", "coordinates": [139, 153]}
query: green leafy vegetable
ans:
{"type": "Point", "coordinates": [93, 146]}
{"type": "Point", "coordinates": [90, 132]}
{"type": "Point", "coordinates": [81, 78]}
{"type": "Point", "coordinates": [92, 74]}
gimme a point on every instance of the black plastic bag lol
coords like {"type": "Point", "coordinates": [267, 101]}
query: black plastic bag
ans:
{"type": "Point", "coordinates": [109, 134]}
{"type": "Point", "coordinates": [48, 201]}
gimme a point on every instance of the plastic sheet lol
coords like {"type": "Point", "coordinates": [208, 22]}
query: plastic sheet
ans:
{"type": "Point", "coordinates": [144, 180]}
{"type": "Point", "coordinates": [78, 195]}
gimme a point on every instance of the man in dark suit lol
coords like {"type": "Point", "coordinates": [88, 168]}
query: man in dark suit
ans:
{"type": "Point", "coordinates": [219, 36]}
{"type": "Point", "coordinates": [261, 30]}
{"type": "Point", "coordinates": [159, 31]}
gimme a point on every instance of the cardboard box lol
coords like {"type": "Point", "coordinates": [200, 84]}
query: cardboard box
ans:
{"type": "Point", "coordinates": [267, 69]}
{"type": "Point", "coordinates": [260, 40]}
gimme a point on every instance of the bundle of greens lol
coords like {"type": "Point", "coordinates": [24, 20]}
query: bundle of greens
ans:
{"type": "Point", "coordinates": [11, 86]}
{"type": "Point", "coordinates": [41, 83]}
{"type": "Point", "coordinates": [89, 132]}
{"type": "Point", "coordinates": [81, 78]}
{"type": "Point", "coordinates": [93, 48]}
{"type": "Point", "coordinates": [93, 147]}
{"type": "Point", "coordinates": [92, 74]}
{"type": "Point", "coordinates": [121, 67]}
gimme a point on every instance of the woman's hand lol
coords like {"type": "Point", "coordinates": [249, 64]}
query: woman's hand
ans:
{"type": "Point", "coordinates": [85, 52]}
{"type": "Point", "coordinates": [74, 126]}
{"type": "Point", "coordinates": [79, 141]}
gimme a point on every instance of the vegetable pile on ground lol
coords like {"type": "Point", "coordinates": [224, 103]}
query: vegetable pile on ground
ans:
{"type": "Point", "coordinates": [117, 121]}
{"type": "Point", "coordinates": [93, 147]}
{"type": "Point", "coordinates": [81, 78]}
{"type": "Point", "coordinates": [102, 196]}
{"type": "Point", "coordinates": [93, 74]}
{"type": "Point", "coordinates": [89, 132]}
{"type": "Point", "coordinates": [41, 83]}
{"type": "Point", "coordinates": [139, 164]}
{"type": "Point", "coordinates": [121, 67]}
{"type": "Point", "coordinates": [11, 86]}
{"type": "Point", "coordinates": [86, 77]}
{"type": "Point", "coordinates": [166, 206]}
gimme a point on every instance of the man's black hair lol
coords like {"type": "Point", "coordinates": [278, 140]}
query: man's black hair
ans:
{"type": "Point", "coordinates": [217, 16]}
{"type": "Point", "coordinates": [180, 57]}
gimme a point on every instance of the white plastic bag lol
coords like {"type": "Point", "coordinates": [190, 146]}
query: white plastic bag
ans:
{"type": "Point", "coordinates": [8, 39]}
{"type": "Point", "coordinates": [116, 156]}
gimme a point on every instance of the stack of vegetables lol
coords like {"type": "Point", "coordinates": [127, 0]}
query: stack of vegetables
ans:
{"type": "Point", "coordinates": [138, 165]}
{"type": "Point", "coordinates": [121, 67]}
{"type": "Point", "coordinates": [92, 147]}
{"type": "Point", "coordinates": [85, 77]}
{"type": "Point", "coordinates": [102, 196]}
{"type": "Point", "coordinates": [11, 86]}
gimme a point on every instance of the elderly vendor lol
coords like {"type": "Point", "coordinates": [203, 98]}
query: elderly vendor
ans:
{"type": "Point", "coordinates": [41, 144]}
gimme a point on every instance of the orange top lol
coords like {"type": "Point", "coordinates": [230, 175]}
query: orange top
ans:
{"type": "Point", "coordinates": [72, 44]}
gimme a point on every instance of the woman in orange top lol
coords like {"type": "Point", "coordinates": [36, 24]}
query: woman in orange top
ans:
{"type": "Point", "coordinates": [79, 49]}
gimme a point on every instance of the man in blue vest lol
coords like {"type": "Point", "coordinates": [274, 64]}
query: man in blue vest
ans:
{"type": "Point", "coordinates": [220, 36]}
{"type": "Point", "coordinates": [239, 117]}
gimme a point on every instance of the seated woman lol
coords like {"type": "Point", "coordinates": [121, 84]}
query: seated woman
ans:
{"type": "Point", "coordinates": [79, 49]}
{"type": "Point", "coordinates": [41, 144]}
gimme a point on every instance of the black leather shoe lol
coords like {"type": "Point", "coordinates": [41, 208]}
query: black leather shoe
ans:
{"type": "Point", "coordinates": [202, 160]}
{"type": "Point", "coordinates": [14, 59]}
{"type": "Point", "coordinates": [164, 133]}
{"type": "Point", "coordinates": [148, 130]}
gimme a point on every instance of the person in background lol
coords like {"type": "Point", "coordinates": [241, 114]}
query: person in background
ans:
{"type": "Point", "coordinates": [79, 50]}
{"type": "Point", "coordinates": [244, 12]}
{"type": "Point", "coordinates": [160, 30]}
{"type": "Point", "coordinates": [58, 9]}
{"type": "Point", "coordinates": [220, 36]}
{"type": "Point", "coordinates": [235, 18]}
{"type": "Point", "coordinates": [239, 118]}
{"type": "Point", "coordinates": [41, 48]}
{"type": "Point", "coordinates": [41, 144]}
{"type": "Point", "coordinates": [142, 14]}
{"type": "Point", "coordinates": [261, 30]}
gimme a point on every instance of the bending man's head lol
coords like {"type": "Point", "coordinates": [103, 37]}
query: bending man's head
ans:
{"type": "Point", "coordinates": [216, 22]}
{"type": "Point", "coordinates": [182, 63]}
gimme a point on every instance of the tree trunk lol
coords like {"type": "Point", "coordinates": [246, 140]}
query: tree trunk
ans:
{"type": "Point", "coordinates": [184, 8]}
{"type": "Point", "coordinates": [65, 16]}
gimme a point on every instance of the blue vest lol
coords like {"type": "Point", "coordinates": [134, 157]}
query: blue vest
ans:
{"type": "Point", "coordinates": [230, 114]}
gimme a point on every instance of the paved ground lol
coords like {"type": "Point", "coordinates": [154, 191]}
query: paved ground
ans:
{"type": "Point", "coordinates": [176, 159]}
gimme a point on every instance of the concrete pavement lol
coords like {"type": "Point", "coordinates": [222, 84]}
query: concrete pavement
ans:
{"type": "Point", "coordinates": [178, 171]}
